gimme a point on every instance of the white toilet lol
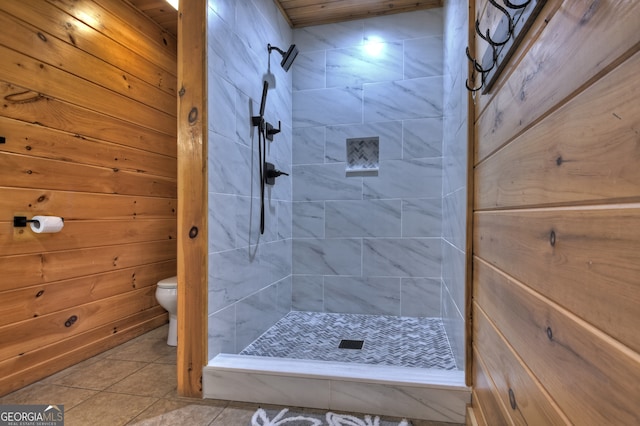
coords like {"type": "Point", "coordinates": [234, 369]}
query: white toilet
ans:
{"type": "Point", "coordinates": [167, 296]}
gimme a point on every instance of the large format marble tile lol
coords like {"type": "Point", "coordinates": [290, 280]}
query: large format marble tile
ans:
{"type": "Point", "coordinates": [310, 70]}
{"type": "Point", "coordinates": [308, 145]}
{"type": "Point", "coordinates": [363, 218]}
{"type": "Point", "coordinates": [422, 138]}
{"type": "Point", "coordinates": [453, 320]}
{"type": "Point", "coordinates": [354, 66]}
{"type": "Point", "coordinates": [308, 293]}
{"type": "Point", "coordinates": [248, 221]}
{"type": "Point", "coordinates": [362, 295]}
{"type": "Point", "coordinates": [275, 260]}
{"type": "Point", "coordinates": [253, 28]}
{"type": "Point", "coordinates": [222, 107]}
{"type": "Point", "coordinates": [308, 219]}
{"type": "Point", "coordinates": [230, 166]}
{"type": "Point", "coordinates": [255, 314]}
{"type": "Point", "coordinates": [233, 275]}
{"type": "Point", "coordinates": [340, 105]}
{"type": "Point", "coordinates": [329, 36]}
{"type": "Point", "coordinates": [325, 182]}
{"type": "Point", "coordinates": [423, 57]}
{"type": "Point", "coordinates": [402, 257]}
{"type": "Point", "coordinates": [404, 99]}
{"type": "Point", "coordinates": [327, 257]}
{"type": "Point", "coordinates": [454, 213]}
{"type": "Point", "coordinates": [422, 217]}
{"type": "Point", "coordinates": [406, 179]}
{"type": "Point", "coordinates": [221, 331]}
{"type": "Point", "coordinates": [222, 222]}
{"type": "Point", "coordinates": [224, 9]}
{"type": "Point", "coordinates": [284, 295]}
{"type": "Point", "coordinates": [420, 297]}
{"type": "Point", "coordinates": [453, 273]}
{"type": "Point", "coordinates": [285, 219]}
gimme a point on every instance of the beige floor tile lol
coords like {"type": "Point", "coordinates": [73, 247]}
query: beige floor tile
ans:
{"type": "Point", "coordinates": [168, 357]}
{"type": "Point", "coordinates": [236, 414]}
{"type": "Point", "coordinates": [101, 374]}
{"type": "Point", "coordinates": [54, 378]}
{"type": "Point", "coordinates": [107, 409]}
{"type": "Point", "coordinates": [147, 350]}
{"type": "Point", "coordinates": [46, 393]}
{"type": "Point", "coordinates": [153, 380]}
{"type": "Point", "coordinates": [173, 412]}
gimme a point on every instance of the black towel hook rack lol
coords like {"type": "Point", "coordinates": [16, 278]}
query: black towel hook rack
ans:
{"type": "Point", "coordinates": [502, 41]}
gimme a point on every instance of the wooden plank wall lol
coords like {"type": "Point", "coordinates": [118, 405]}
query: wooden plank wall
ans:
{"type": "Point", "coordinates": [556, 241]}
{"type": "Point", "coordinates": [88, 121]}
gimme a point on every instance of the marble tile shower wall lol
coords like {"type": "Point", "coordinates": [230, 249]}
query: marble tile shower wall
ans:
{"type": "Point", "coordinates": [369, 244]}
{"type": "Point", "coordinates": [455, 175]}
{"type": "Point", "coordinates": [249, 274]}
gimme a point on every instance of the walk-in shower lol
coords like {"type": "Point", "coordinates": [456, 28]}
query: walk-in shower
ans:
{"type": "Point", "coordinates": [345, 301]}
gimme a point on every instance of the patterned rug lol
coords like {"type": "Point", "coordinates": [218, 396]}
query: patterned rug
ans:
{"type": "Point", "coordinates": [286, 417]}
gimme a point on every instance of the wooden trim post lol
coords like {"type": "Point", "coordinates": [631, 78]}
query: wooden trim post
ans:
{"type": "Point", "coordinates": [192, 196]}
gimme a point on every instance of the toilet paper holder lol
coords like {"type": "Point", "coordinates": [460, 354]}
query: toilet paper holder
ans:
{"type": "Point", "coordinates": [21, 221]}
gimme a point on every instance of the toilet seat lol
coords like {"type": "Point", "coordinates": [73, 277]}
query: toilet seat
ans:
{"type": "Point", "coordinates": [171, 282]}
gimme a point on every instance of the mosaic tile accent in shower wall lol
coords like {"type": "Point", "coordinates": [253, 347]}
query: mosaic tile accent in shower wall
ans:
{"type": "Point", "coordinates": [388, 340]}
{"type": "Point", "coordinates": [363, 154]}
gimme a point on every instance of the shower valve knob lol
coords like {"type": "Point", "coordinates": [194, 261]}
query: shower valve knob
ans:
{"type": "Point", "coordinates": [276, 173]}
{"type": "Point", "coordinates": [272, 173]}
{"type": "Point", "coordinates": [272, 130]}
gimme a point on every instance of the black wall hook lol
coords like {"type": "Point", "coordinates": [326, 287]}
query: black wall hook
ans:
{"type": "Point", "coordinates": [509, 32]}
{"type": "Point", "coordinates": [487, 37]}
{"type": "Point", "coordinates": [516, 6]}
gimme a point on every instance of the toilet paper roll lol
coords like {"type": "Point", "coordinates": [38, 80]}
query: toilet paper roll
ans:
{"type": "Point", "coordinates": [46, 224]}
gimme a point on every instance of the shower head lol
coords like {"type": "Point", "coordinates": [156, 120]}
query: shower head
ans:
{"type": "Point", "coordinates": [287, 57]}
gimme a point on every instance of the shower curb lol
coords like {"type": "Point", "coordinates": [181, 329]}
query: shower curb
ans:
{"type": "Point", "coordinates": [427, 394]}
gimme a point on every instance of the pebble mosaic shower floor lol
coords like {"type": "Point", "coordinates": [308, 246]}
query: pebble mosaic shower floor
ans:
{"type": "Point", "coordinates": [388, 340]}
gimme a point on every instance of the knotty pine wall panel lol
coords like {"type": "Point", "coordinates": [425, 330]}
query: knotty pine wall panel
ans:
{"type": "Point", "coordinates": [88, 116]}
{"type": "Point", "coordinates": [556, 202]}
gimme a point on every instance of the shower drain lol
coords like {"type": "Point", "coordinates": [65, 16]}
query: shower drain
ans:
{"type": "Point", "coordinates": [351, 344]}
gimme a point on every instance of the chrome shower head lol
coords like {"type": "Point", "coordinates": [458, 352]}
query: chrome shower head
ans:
{"type": "Point", "coordinates": [287, 57]}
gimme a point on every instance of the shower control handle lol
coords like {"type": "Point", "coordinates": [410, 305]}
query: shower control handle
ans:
{"type": "Point", "coordinates": [272, 130]}
{"type": "Point", "coordinates": [271, 173]}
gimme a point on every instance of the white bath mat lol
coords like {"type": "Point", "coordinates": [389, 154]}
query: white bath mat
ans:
{"type": "Point", "coordinates": [285, 417]}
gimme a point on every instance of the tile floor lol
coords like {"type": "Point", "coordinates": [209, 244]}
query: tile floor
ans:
{"type": "Point", "coordinates": [388, 340]}
{"type": "Point", "coordinates": [134, 383]}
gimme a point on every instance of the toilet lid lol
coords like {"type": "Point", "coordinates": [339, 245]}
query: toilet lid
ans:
{"type": "Point", "coordinates": [171, 282]}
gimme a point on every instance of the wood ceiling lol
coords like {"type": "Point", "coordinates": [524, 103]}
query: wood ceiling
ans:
{"type": "Point", "coordinates": [301, 13]}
